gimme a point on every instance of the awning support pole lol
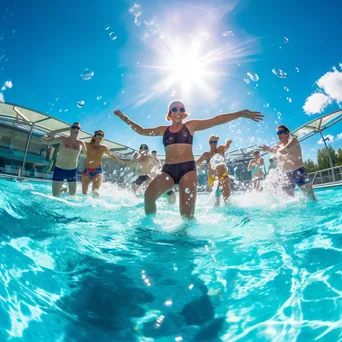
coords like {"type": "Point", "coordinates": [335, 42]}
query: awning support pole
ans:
{"type": "Point", "coordinates": [26, 149]}
{"type": "Point", "coordinates": [329, 156]}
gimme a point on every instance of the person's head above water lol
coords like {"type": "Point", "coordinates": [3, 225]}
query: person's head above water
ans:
{"type": "Point", "coordinates": [154, 153]}
{"type": "Point", "coordinates": [256, 154]}
{"type": "Point", "coordinates": [213, 141]}
{"type": "Point", "coordinates": [177, 112]}
{"type": "Point", "coordinates": [283, 134]}
{"type": "Point", "coordinates": [98, 136]}
{"type": "Point", "coordinates": [143, 149]}
{"type": "Point", "coordinates": [75, 129]}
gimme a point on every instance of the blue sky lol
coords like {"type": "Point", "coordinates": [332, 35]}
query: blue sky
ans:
{"type": "Point", "coordinates": [46, 46]}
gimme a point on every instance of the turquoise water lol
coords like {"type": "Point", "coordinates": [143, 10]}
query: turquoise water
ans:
{"type": "Point", "coordinates": [264, 268]}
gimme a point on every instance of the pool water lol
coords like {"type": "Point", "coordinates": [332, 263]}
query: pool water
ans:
{"type": "Point", "coordinates": [264, 268]}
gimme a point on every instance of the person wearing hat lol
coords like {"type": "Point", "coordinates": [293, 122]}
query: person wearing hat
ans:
{"type": "Point", "coordinates": [93, 165]}
{"type": "Point", "coordinates": [180, 166]}
{"type": "Point", "coordinates": [255, 166]}
{"type": "Point", "coordinates": [220, 174]}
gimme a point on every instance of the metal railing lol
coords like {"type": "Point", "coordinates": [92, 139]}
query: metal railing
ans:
{"type": "Point", "coordinates": [331, 175]}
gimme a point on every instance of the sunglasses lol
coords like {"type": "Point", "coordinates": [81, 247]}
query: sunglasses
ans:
{"type": "Point", "coordinates": [175, 109]}
{"type": "Point", "coordinates": [99, 135]}
{"type": "Point", "coordinates": [76, 127]}
{"type": "Point", "coordinates": [255, 153]}
{"type": "Point", "coordinates": [281, 132]}
{"type": "Point", "coordinates": [143, 147]}
{"type": "Point", "coordinates": [213, 142]}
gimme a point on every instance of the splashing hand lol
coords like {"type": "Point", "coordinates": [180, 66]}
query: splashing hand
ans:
{"type": "Point", "coordinates": [264, 148]}
{"type": "Point", "coordinates": [120, 114]}
{"type": "Point", "coordinates": [255, 116]}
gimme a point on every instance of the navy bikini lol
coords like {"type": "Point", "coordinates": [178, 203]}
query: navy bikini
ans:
{"type": "Point", "coordinates": [183, 136]}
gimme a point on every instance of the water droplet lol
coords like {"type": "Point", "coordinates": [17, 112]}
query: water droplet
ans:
{"type": "Point", "coordinates": [286, 40]}
{"type": "Point", "coordinates": [148, 116]}
{"type": "Point", "coordinates": [200, 147]}
{"type": "Point", "coordinates": [216, 160]}
{"type": "Point", "coordinates": [253, 77]}
{"type": "Point", "coordinates": [112, 36]}
{"type": "Point", "coordinates": [80, 104]}
{"type": "Point", "coordinates": [107, 27]}
{"type": "Point", "coordinates": [289, 99]}
{"type": "Point", "coordinates": [168, 302]}
{"type": "Point", "coordinates": [104, 103]}
{"type": "Point", "coordinates": [227, 33]}
{"type": "Point", "coordinates": [87, 75]}
{"type": "Point", "coordinates": [99, 98]}
{"type": "Point", "coordinates": [167, 178]}
{"type": "Point", "coordinates": [266, 105]}
{"type": "Point", "coordinates": [66, 110]}
{"type": "Point", "coordinates": [286, 89]}
{"type": "Point", "coordinates": [279, 73]}
{"type": "Point", "coordinates": [297, 69]}
{"type": "Point", "coordinates": [246, 80]}
{"type": "Point", "coordinates": [187, 190]}
{"type": "Point", "coordinates": [173, 93]}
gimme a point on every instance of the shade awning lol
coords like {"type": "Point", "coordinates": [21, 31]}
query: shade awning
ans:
{"type": "Point", "coordinates": [47, 123]}
{"type": "Point", "coordinates": [317, 125]}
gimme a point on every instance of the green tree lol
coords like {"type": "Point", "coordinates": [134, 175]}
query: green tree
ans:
{"type": "Point", "coordinates": [310, 165]}
{"type": "Point", "coordinates": [339, 157]}
{"type": "Point", "coordinates": [323, 158]}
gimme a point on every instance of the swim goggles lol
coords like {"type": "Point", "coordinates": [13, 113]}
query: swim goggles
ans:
{"type": "Point", "coordinates": [144, 147]}
{"type": "Point", "coordinates": [99, 134]}
{"type": "Point", "coordinates": [76, 127]}
{"type": "Point", "coordinates": [281, 132]}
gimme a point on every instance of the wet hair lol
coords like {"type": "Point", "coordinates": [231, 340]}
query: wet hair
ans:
{"type": "Point", "coordinates": [154, 151]}
{"type": "Point", "coordinates": [214, 137]}
{"type": "Point", "coordinates": [93, 138]}
{"type": "Point", "coordinates": [284, 128]}
{"type": "Point", "coordinates": [76, 123]}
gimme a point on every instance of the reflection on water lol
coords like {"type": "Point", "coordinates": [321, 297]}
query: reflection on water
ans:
{"type": "Point", "coordinates": [74, 269]}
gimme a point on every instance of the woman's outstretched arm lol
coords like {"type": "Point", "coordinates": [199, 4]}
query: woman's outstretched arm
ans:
{"type": "Point", "coordinates": [156, 131]}
{"type": "Point", "coordinates": [200, 125]}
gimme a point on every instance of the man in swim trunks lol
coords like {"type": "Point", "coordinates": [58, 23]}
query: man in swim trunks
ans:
{"type": "Point", "coordinates": [255, 166]}
{"type": "Point", "coordinates": [220, 173]}
{"type": "Point", "coordinates": [93, 165]}
{"type": "Point", "coordinates": [67, 159]}
{"type": "Point", "coordinates": [143, 167]}
{"type": "Point", "coordinates": [289, 158]}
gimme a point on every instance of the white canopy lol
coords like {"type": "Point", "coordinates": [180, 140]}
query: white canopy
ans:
{"type": "Point", "coordinates": [40, 121]}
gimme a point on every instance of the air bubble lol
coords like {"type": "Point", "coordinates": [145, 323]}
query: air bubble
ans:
{"type": "Point", "coordinates": [227, 33]}
{"type": "Point", "coordinates": [289, 100]}
{"type": "Point", "coordinates": [286, 89]}
{"type": "Point", "coordinates": [99, 98]}
{"type": "Point", "coordinates": [297, 69]}
{"type": "Point", "coordinates": [252, 76]}
{"type": "Point", "coordinates": [279, 73]}
{"type": "Point", "coordinates": [80, 104]}
{"type": "Point", "coordinates": [87, 75]}
{"type": "Point", "coordinates": [286, 40]}
{"type": "Point", "coordinates": [187, 190]}
{"type": "Point", "coordinates": [112, 36]}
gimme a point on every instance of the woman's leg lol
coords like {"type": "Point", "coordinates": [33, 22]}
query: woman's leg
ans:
{"type": "Point", "coordinates": [160, 184]}
{"type": "Point", "coordinates": [188, 194]}
{"type": "Point", "coordinates": [86, 180]}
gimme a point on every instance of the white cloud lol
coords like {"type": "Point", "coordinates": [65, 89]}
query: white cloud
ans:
{"type": "Point", "coordinates": [331, 83]}
{"type": "Point", "coordinates": [2, 98]}
{"type": "Point", "coordinates": [339, 136]}
{"type": "Point", "coordinates": [316, 103]}
{"type": "Point", "coordinates": [329, 137]}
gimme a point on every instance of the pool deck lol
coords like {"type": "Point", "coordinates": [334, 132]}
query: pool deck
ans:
{"type": "Point", "coordinates": [327, 185]}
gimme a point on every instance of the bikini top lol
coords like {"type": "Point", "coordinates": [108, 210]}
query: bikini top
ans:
{"type": "Point", "coordinates": [183, 136]}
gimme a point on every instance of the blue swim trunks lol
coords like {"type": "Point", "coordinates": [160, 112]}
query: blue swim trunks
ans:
{"type": "Point", "coordinates": [92, 172]}
{"type": "Point", "coordinates": [297, 177]}
{"type": "Point", "coordinates": [60, 175]}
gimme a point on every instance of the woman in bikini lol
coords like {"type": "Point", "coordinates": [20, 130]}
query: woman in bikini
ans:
{"type": "Point", "coordinates": [180, 166]}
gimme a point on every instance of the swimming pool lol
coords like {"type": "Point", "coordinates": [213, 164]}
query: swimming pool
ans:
{"type": "Point", "coordinates": [96, 269]}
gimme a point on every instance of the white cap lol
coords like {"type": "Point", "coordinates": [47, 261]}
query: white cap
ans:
{"type": "Point", "coordinates": [176, 103]}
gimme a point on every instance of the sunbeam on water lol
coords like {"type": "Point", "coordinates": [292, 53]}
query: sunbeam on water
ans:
{"type": "Point", "coordinates": [265, 267]}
